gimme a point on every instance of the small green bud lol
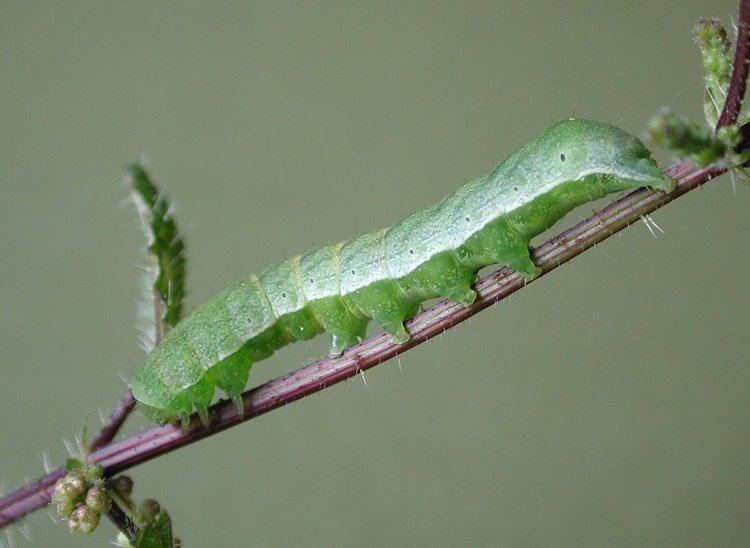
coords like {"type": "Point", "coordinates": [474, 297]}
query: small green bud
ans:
{"type": "Point", "coordinates": [83, 519]}
{"type": "Point", "coordinates": [93, 472]}
{"type": "Point", "coordinates": [150, 509]}
{"type": "Point", "coordinates": [123, 485]}
{"type": "Point", "coordinates": [176, 543]}
{"type": "Point", "coordinates": [76, 473]}
{"type": "Point", "coordinates": [98, 500]}
{"type": "Point", "coordinates": [711, 38]}
{"type": "Point", "coordinates": [68, 490]}
{"type": "Point", "coordinates": [76, 481]}
{"type": "Point", "coordinates": [64, 505]}
{"type": "Point", "coordinates": [710, 33]}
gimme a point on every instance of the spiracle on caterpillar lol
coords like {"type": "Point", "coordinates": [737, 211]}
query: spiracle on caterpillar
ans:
{"type": "Point", "coordinates": [385, 274]}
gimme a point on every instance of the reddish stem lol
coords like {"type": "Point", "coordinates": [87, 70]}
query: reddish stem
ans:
{"type": "Point", "coordinates": [114, 422]}
{"type": "Point", "coordinates": [740, 66]}
{"type": "Point", "coordinates": [123, 522]}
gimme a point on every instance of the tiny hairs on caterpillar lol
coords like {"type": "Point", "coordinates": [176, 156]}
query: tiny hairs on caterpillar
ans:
{"type": "Point", "coordinates": [384, 275]}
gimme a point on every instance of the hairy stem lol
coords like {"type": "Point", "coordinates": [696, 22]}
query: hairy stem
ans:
{"type": "Point", "coordinates": [114, 422]}
{"type": "Point", "coordinates": [740, 66]}
{"type": "Point", "coordinates": [122, 521]}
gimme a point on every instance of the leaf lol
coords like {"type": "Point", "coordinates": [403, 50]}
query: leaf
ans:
{"type": "Point", "coordinates": [72, 464]}
{"type": "Point", "coordinates": [157, 534]}
{"type": "Point", "coordinates": [689, 140]}
{"type": "Point", "coordinates": [165, 248]}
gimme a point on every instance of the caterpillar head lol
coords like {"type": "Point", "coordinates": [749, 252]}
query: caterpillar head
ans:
{"type": "Point", "coordinates": [585, 147]}
{"type": "Point", "coordinates": [633, 167]}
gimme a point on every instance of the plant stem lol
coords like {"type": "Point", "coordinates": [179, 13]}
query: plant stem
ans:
{"type": "Point", "coordinates": [740, 66]}
{"type": "Point", "coordinates": [121, 519]}
{"type": "Point", "coordinates": [114, 422]}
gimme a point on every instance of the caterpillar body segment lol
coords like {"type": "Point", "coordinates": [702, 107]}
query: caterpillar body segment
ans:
{"type": "Point", "coordinates": [385, 274]}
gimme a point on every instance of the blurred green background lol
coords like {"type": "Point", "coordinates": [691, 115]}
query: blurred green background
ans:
{"type": "Point", "coordinates": [605, 405]}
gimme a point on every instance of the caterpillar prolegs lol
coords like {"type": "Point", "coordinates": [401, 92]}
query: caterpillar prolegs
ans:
{"type": "Point", "coordinates": [384, 275]}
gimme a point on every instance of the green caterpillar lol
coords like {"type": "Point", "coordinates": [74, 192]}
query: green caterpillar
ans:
{"type": "Point", "coordinates": [384, 275]}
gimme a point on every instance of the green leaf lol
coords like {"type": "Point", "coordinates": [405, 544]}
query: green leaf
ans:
{"type": "Point", "coordinates": [157, 534]}
{"type": "Point", "coordinates": [711, 38]}
{"type": "Point", "coordinates": [165, 248]}
{"type": "Point", "coordinates": [689, 140]}
{"type": "Point", "coordinates": [72, 464]}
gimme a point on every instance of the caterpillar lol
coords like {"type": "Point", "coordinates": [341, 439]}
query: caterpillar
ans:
{"type": "Point", "coordinates": [385, 274]}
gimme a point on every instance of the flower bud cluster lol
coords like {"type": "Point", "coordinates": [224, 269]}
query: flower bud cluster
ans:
{"type": "Point", "coordinates": [81, 497]}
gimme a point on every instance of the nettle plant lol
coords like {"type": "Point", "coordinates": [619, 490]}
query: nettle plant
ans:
{"type": "Point", "coordinates": [384, 276]}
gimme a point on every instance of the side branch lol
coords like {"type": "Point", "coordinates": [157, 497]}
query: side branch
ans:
{"type": "Point", "coordinates": [379, 348]}
{"type": "Point", "coordinates": [740, 66]}
{"type": "Point", "coordinates": [165, 250]}
{"type": "Point", "coordinates": [114, 422]}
